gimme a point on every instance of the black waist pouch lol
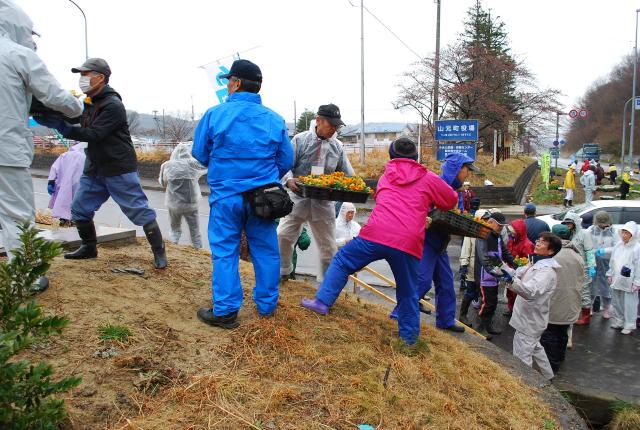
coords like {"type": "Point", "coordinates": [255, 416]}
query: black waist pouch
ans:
{"type": "Point", "coordinates": [269, 202]}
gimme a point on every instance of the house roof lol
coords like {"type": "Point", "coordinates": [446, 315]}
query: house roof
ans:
{"type": "Point", "coordinates": [375, 127]}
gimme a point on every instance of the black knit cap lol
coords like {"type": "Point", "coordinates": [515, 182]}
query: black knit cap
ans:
{"type": "Point", "coordinates": [403, 148]}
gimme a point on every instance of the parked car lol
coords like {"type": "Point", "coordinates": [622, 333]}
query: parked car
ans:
{"type": "Point", "coordinates": [621, 211]}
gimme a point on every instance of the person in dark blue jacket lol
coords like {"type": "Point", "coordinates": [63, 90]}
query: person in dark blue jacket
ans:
{"type": "Point", "coordinates": [535, 226]}
{"type": "Point", "coordinates": [244, 146]}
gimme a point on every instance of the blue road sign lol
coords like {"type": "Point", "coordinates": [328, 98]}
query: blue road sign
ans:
{"type": "Point", "coordinates": [461, 130]}
{"type": "Point", "coordinates": [446, 148]}
{"type": "Point", "coordinates": [555, 152]}
{"type": "Point", "coordinates": [556, 143]}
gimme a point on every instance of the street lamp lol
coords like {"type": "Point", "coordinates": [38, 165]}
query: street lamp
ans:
{"type": "Point", "coordinates": [633, 92]}
{"type": "Point", "coordinates": [624, 130]}
{"type": "Point", "coordinates": [86, 39]}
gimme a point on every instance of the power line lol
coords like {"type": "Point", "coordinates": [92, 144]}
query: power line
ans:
{"type": "Point", "coordinates": [390, 31]}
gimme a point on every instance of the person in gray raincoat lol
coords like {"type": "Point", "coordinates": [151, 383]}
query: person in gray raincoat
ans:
{"type": "Point", "coordinates": [22, 75]}
{"type": "Point", "coordinates": [180, 176]}
{"type": "Point", "coordinates": [317, 151]}
{"type": "Point", "coordinates": [534, 284]}
{"type": "Point", "coordinates": [584, 245]}
{"type": "Point", "coordinates": [604, 238]}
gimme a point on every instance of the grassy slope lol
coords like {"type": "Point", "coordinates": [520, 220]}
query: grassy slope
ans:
{"type": "Point", "coordinates": [296, 370]}
{"type": "Point", "coordinates": [504, 174]}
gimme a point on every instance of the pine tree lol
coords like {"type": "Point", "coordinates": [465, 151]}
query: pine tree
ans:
{"type": "Point", "coordinates": [304, 120]}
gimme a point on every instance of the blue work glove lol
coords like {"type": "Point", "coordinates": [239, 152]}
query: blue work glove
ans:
{"type": "Point", "coordinates": [592, 272]}
{"type": "Point", "coordinates": [51, 187]}
{"type": "Point", "coordinates": [599, 252]}
{"type": "Point", "coordinates": [51, 122]}
{"type": "Point", "coordinates": [463, 272]}
{"type": "Point", "coordinates": [507, 277]}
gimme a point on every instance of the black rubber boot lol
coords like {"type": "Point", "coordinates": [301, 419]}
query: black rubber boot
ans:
{"type": "Point", "coordinates": [570, 203]}
{"type": "Point", "coordinates": [482, 330]}
{"type": "Point", "coordinates": [565, 203]}
{"type": "Point", "coordinates": [154, 236]}
{"type": "Point", "coordinates": [88, 249]}
{"type": "Point", "coordinates": [488, 326]}
{"type": "Point", "coordinates": [464, 309]}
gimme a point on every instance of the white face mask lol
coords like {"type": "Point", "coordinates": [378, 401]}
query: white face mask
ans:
{"type": "Point", "coordinates": [85, 84]}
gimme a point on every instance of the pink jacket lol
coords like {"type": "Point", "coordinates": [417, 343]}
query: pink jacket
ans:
{"type": "Point", "coordinates": [405, 194]}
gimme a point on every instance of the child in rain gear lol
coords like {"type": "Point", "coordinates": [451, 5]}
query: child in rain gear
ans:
{"type": "Point", "coordinates": [180, 175]}
{"type": "Point", "coordinates": [624, 278]}
{"type": "Point", "coordinates": [395, 232]}
{"type": "Point", "coordinates": [64, 177]}
{"type": "Point", "coordinates": [519, 246]}
{"type": "Point", "coordinates": [534, 284]}
{"type": "Point", "coordinates": [346, 227]}
{"type": "Point", "coordinates": [468, 274]}
{"type": "Point", "coordinates": [490, 253]}
{"type": "Point", "coordinates": [604, 238]}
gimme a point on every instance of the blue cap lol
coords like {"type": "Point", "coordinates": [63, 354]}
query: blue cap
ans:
{"type": "Point", "coordinates": [529, 208]}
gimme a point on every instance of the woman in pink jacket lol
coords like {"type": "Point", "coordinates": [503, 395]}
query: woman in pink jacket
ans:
{"type": "Point", "coordinates": [395, 232]}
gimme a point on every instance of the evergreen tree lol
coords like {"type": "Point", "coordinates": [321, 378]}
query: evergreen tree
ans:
{"type": "Point", "coordinates": [304, 120]}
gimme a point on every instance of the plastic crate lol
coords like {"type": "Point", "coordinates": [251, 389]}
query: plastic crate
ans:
{"type": "Point", "coordinates": [321, 193]}
{"type": "Point", "coordinates": [457, 224]}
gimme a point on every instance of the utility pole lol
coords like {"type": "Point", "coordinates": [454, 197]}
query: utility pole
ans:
{"type": "Point", "coordinates": [295, 117]}
{"type": "Point", "coordinates": [163, 128]}
{"type": "Point", "coordinates": [555, 171]}
{"type": "Point", "coordinates": [436, 83]}
{"type": "Point", "coordinates": [362, 145]}
{"type": "Point", "coordinates": [633, 94]}
{"type": "Point", "coordinates": [192, 111]}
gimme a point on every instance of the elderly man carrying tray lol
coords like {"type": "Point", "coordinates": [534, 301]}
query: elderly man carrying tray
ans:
{"type": "Point", "coordinates": [317, 151]}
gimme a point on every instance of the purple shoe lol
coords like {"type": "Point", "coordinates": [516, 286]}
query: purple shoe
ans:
{"type": "Point", "coordinates": [394, 314]}
{"type": "Point", "coordinates": [315, 305]}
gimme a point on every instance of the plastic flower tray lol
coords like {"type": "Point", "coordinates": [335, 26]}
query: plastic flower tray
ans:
{"type": "Point", "coordinates": [322, 193]}
{"type": "Point", "coordinates": [458, 224]}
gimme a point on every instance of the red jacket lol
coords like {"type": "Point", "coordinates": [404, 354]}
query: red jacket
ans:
{"type": "Point", "coordinates": [467, 195]}
{"type": "Point", "coordinates": [520, 245]}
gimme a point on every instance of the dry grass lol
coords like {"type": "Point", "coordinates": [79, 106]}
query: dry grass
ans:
{"type": "Point", "coordinates": [296, 370]}
{"type": "Point", "coordinates": [627, 418]}
{"type": "Point", "coordinates": [152, 156]}
{"type": "Point", "coordinates": [504, 174]}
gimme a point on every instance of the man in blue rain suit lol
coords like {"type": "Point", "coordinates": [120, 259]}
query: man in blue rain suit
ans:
{"type": "Point", "coordinates": [434, 265]}
{"type": "Point", "coordinates": [245, 146]}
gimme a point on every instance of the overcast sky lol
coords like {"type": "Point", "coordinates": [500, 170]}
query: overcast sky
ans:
{"type": "Point", "coordinates": [309, 51]}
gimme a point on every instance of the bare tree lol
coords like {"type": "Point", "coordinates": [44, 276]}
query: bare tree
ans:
{"type": "Point", "coordinates": [179, 127]}
{"type": "Point", "coordinates": [133, 119]}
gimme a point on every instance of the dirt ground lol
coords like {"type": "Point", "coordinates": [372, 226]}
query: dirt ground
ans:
{"type": "Point", "coordinates": [296, 370]}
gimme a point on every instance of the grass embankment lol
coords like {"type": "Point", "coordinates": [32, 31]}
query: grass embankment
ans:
{"type": "Point", "coordinates": [504, 174]}
{"type": "Point", "coordinates": [296, 370]}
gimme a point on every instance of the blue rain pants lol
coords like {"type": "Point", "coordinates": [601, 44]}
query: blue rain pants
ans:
{"type": "Point", "coordinates": [125, 190]}
{"type": "Point", "coordinates": [228, 217]}
{"type": "Point", "coordinates": [434, 267]}
{"type": "Point", "coordinates": [358, 253]}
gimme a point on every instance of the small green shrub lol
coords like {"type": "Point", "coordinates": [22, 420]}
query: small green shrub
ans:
{"type": "Point", "coordinates": [26, 389]}
{"type": "Point", "coordinates": [114, 332]}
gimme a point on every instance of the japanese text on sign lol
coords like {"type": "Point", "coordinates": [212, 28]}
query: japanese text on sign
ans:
{"type": "Point", "coordinates": [444, 149]}
{"type": "Point", "coordinates": [457, 130]}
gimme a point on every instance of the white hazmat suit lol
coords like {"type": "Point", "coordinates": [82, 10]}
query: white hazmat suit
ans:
{"type": "Point", "coordinates": [180, 175]}
{"type": "Point", "coordinates": [346, 230]}
{"type": "Point", "coordinates": [624, 289]}
{"type": "Point", "coordinates": [22, 75]}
